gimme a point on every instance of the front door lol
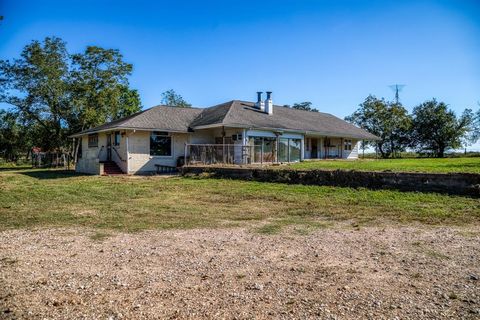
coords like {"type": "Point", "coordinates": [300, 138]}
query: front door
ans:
{"type": "Point", "coordinates": [109, 147]}
{"type": "Point", "coordinates": [314, 154]}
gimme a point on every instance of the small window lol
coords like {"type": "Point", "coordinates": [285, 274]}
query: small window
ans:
{"type": "Point", "coordinates": [160, 144]}
{"type": "Point", "coordinates": [116, 139]}
{"type": "Point", "coordinates": [93, 140]}
{"type": "Point", "coordinates": [348, 145]}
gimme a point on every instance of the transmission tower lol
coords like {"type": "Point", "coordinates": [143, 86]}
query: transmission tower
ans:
{"type": "Point", "coordinates": [397, 88]}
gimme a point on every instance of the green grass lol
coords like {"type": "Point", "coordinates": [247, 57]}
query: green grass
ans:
{"type": "Point", "coordinates": [445, 165]}
{"type": "Point", "coordinates": [38, 198]}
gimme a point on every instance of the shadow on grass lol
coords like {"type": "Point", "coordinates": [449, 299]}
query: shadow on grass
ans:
{"type": "Point", "coordinates": [15, 168]}
{"type": "Point", "coordinates": [52, 174]}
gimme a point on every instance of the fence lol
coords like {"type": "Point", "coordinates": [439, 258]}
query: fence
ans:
{"type": "Point", "coordinates": [51, 160]}
{"type": "Point", "coordinates": [208, 154]}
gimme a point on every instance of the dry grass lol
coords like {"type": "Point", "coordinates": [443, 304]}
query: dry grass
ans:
{"type": "Point", "coordinates": [32, 198]}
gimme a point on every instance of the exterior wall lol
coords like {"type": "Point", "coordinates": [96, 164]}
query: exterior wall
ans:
{"type": "Point", "coordinates": [201, 137]}
{"type": "Point", "coordinates": [352, 154]}
{"type": "Point", "coordinates": [139, 157]}
{"type": "Point", "coordinates": [120, 157]}
{"type": "Point", "coordinates": [91, 157]}
{"type": "Point", "coordinates": [336, 151]}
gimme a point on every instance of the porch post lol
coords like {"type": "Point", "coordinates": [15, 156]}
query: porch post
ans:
{"type": "Point", "coordinates": [341, 148]}
{"type": "Point", "coordinates": [185, 155]}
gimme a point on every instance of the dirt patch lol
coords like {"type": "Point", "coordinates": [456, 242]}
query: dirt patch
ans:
{"type": "Point", "coordinates": [405, 272]}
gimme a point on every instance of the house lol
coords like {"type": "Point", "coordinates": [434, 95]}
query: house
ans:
{"type": "Point", "coordinates": [236, 132]}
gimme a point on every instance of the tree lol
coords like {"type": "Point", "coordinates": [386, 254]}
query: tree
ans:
{"type": "Point", "coordinates": [36, 84]}
{"type": "Point", "coordinates": [474, 132]}
{"type": "Point", "coordinates": [437, 129]}
{"type": "Point", "coordinates": [306, 106]}
{"type": "Point", "coordinates": [10, 136]}
{"type": "Point", "coordinates": [57, 94]}
{"type": "Point", "coordinates": [388, 120]}
{"type": "Point", "coordinates": [172, 99]}
{"type": "Point", "coordinates": [100, 88]}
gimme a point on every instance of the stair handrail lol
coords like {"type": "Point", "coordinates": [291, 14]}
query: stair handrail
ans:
{"type": "Point", "coordinates": [118, 154]}
{"type": "Point", "coordinates": [99, 151]}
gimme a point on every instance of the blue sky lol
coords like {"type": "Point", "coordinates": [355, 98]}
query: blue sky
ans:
{"type": "Point", "coordinates": [332, 53]}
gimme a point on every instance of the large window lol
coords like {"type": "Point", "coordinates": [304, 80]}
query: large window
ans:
{"type": "Point", "coordinates": [283, 150]}
{"type": "Point", "coordinates": [287, 150]}
{"type": "Point", "coordinates": [265, 149]}
{"type": "Point", "coordinates": [294, 149]}
{"type": "Point", "coordinates": [160, 144]}
{"type": "Point", "coordinates": [93, 140]}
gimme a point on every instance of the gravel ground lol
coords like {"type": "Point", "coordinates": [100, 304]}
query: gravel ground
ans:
{"type": "Point", "coordinates": [413, 272]}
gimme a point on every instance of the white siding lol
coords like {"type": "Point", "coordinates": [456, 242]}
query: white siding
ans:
{"type": "Point", "coordinates": [141, 161]}
{"type": "Point", "coordinates": [89, 161]}
{"type": "Point", "coordinates": [352, 154]}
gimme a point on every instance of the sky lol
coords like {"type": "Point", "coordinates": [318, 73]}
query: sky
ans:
{"type": "Point", "coordinates": [332, 53]}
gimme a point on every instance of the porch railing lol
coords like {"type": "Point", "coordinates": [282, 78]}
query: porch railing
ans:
{"type": "Point", "coordinates": [208, 154]}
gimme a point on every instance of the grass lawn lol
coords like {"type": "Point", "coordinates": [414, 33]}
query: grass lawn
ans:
{"type": "Point", "coordinates": [34, 198]}
{"type": "Point", "coordinates": [445, 165]}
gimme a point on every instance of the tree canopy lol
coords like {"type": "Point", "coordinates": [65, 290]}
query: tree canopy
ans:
{"type": "Point", "coordinates": [173, 99]}
{"type": "Point", "coordinates": [306, 106]}
{"type": "Point", "coordinates": [437, 129]}
{"type": "Point", "coordinates": [58, 93]}
{"type": "Point", "coordinates": [388, 120]}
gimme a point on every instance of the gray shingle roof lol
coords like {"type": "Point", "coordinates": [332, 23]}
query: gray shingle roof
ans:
{"type": "Point", "coordinates": [237, 114]}
{"type": "Point", "coordinates": [161, 118]}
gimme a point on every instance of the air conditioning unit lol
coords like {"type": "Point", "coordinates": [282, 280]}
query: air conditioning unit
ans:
{"type": "Point", "coordinates": [237, 137]}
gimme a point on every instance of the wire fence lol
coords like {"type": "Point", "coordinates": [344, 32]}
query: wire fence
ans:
{"type": "Point", "coordinates": [51, 160]}
{"type": "Point", "coordinates": [208, 154]}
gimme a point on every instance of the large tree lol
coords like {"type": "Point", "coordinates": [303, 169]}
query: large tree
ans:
{"type": "Point", "coordinates": [437, 129]}
{"type": "Point", "coordinates": [11, 138]}
{"type": "Point", "coordinates": [173, 99]}
{"type": "Point", "coordinates": [37, 85]}
{"type": "Point", "coordinates": [58, 94]}
{"type": "Point", "coordinates": [388, 120]}
{"type": "Point", "coordinates": [100, 88]}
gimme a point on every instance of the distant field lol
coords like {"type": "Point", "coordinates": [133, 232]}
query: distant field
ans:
{"type": "Point", "coordinates": [35, 198]}
{"type": "Point", "coordinates": [445, 165]}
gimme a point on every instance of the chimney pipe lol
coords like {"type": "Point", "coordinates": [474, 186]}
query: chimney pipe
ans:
{"type": "Point", "coordinates": [260, 104]}
{"type": "Point", "coordinates": [269, 103]}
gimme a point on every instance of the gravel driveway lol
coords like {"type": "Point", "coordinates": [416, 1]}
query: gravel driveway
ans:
{"type": "Point", "coordinates": [413, 272]}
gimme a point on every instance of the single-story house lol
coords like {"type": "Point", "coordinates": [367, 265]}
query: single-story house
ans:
{"type": "Point", "coordinates": [237, 132]}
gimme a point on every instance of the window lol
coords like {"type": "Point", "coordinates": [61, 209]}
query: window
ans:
{"type": "Point", "coordinates": [265, 149]}
{"type": "Point", "coordinates": [283, 150]}
{"type": "Point", "coordinates": [93, 140]}
{"type": "Point", "coordinates": [116, 139]}
{"type": "Point", "coordinates": [160, 144]}
{"type": "Point", "coordinates": [294, 147]}
{"type": "Point", "coordinates": [348, 145]}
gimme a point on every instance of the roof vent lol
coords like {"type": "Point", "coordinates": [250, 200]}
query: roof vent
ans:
{"type": "Point", "coordinates": [260, 104]}
{"type": "Point", "coordinates": [269, 103]}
